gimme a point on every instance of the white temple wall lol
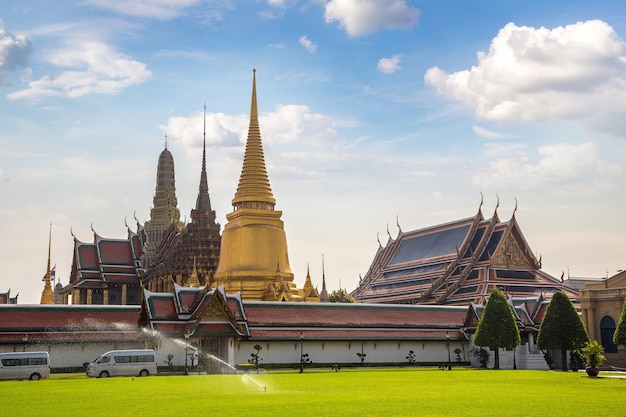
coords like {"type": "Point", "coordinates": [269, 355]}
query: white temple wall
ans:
{"type": "Point", "coordinates": [76, 354]}
{"type": "Point", "coordinates": [346, 351]}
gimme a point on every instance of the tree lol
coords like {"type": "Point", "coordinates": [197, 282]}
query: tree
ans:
{"type": "Point", "coordinates": [497, 327]}
{"type": "Point", "coordinates": [340, 296]}
{"type": "Point", "coordinates": [619, 337]}
{"type": "Point", "coordinates": [561, 328]}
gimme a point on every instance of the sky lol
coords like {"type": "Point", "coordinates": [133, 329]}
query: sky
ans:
{"type": "Point", "coordinates": [376, 116]}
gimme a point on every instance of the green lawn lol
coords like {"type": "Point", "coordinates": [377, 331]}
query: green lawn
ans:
{"type": "Point", "coordinates": [378, 392]}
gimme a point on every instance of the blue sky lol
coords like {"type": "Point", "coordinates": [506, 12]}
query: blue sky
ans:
{"type": "Point", "coordinates": [372, 113]}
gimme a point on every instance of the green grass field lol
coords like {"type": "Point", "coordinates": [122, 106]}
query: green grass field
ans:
{"type": "Point", "coordinates": [351, 392]}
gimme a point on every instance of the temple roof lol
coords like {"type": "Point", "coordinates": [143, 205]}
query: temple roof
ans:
{"type": "Point", "coordinates": [106, 260]}
{"type": "Point", "coordinates": [52, 323]}
{"type": "Point", "coordinates": [194, 312]}
{"type": "Point", "coordinates": [528, 312]}
{"type": "Point", "coordinates": [5, 298]}
{"type": "Point", "coordinates": [456, 263]}
{"type": "Point", "coordinates": [349, 321]}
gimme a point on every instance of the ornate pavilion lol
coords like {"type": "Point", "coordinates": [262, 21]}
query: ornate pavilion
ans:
{"type": "Point", "coordinates": [457, 263]}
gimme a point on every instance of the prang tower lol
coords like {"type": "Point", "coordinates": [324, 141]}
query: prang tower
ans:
{"type": "Point", "coordinates": [165, 210]}
{"type": "Point", "coordinates": [253, 256]}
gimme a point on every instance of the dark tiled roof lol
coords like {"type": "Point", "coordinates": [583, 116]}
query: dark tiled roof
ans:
{"type": "Point", "coordinates": [57, 323]}
{"type": "Point", "coordinates": [456, 263]}
{"type": "Point", "coordinates": [349, 321]}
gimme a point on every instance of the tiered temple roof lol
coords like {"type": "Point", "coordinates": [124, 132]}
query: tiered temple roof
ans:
{"type": "Point", "coordinates": [456, 263]}
{"type": "Point", "coordinates": [107, 271]}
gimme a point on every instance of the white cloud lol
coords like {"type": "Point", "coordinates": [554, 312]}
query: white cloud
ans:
{"type": "Point", "coordinates": [308, 45]}
{"type": "Point", "coordinates": [156, 9]}
{"type": "Point", "coordinates": [389, 65]}
{"type": "Point", "coordinates": [486, 133]}
{"type": "Point", "coordinates": [14, 52]}
{"type": "Point", "coordinates": [557, 165]}
{"type": "Point", "coordinates": [221, 130]}
{"type": "Point", "coordinates": [360, 17]}
{"type": "Point", "coordinates": [288, 124]}
{"type": "Point", "coordinates": [574, 72]}
{"type": "Point", "coordinates": [296, 123]}
{"type": "Point", "coordinates": [88, 67]}
{"type": "Point", "coordinates": [3, 175]}
{"type": "Point", "coordinates": [281, 3]}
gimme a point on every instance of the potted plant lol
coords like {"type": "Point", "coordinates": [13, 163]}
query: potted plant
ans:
{"type": "Point", "coordinates": [592, 353]}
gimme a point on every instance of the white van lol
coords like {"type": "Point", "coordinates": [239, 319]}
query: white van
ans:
{"type": "Point", "coordinates": [24, 365]}
{"type": "Point", "coordinates": [140, 362]}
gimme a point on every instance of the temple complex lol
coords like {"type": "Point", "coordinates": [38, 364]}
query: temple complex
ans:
{"type": "Point", "coordinates": [188, 257]}
{"type": "Point", "coordinates": [254, 258]}
{"type": "Point", "coordinates": [178, 287]}
{"type": "Point", "coordinates": [457, 263]}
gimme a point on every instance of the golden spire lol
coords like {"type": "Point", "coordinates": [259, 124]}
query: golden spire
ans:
{"type": "Point", "coordinates": [193, 279]}
{"type": "Point", "coordinates": [254, 184]}
{"type": "Point", "coordinates": [324, 294]}
{"type": "Point", "coordinates": [253, 254]}
{"type": "Point", "coordinates": [47, 295]}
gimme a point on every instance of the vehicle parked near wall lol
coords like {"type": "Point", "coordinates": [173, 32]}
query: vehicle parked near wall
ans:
{"type": "Point", "coordinates": [24, 365]}
{"type": "Point", "coordinates": [140, 362]}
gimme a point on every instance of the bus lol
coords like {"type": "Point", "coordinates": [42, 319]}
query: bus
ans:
{"type": "Point", "coordinates": [24, 365]}
{"type": "Point", "coordinates": [140, 362]}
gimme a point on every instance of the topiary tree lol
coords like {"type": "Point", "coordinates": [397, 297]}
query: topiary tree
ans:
{"type": "Point", "coordinates": [561, 328]}
{"type": "Point", "coordinates": [458, 352]}
{"type": "Point", "coordinates": [619, 337]}
{"type": "Point", "coordinates": [497, 327]}
{"type": "Point", "coordinates": [482, 356]}
{"type": "Point", "coordinates": [255, 358]}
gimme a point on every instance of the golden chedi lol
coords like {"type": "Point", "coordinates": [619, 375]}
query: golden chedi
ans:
{"type": "Point", "coordinates": [253, 255]}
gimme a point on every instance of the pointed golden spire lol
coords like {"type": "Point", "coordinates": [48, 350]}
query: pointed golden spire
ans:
{"type": "Point", "coordinates": [254, 184]}
{"type": "Point", "coordinates": [324, 294]}
{"type": "Point", "coordinates": [47, 295]}
{"type": "Point", "coordinates": [193, 280]}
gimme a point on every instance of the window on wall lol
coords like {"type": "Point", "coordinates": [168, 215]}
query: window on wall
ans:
{"type": "Point", "coordinates": [607, 329]}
